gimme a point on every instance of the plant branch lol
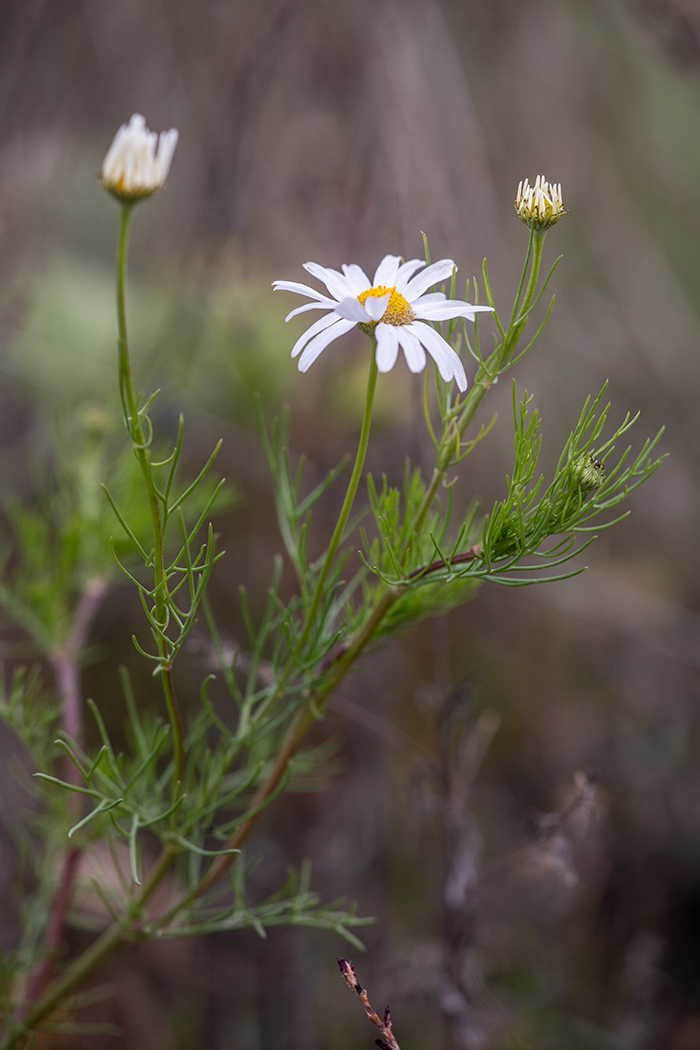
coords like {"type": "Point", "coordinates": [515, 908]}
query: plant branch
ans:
{"type": "Point", "coordinates": [313, 709]}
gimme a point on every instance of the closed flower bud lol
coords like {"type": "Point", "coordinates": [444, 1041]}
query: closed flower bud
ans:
{"type": "Point", "coordinates": [589, 472]}
{"type": "Point", "coordinates": [138, 161]}
{"type": "Point", "coordinates": [539, 206]}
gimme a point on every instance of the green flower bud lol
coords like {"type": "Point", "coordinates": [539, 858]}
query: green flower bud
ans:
{"type": "Point", "coordinates": [589, 472]}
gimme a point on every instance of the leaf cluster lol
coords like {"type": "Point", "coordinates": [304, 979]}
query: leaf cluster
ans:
{"type": "Point", "coordinates": [293, 905]}
{"type": "Point", "coordinates": [511, 546]}
{"type": "Point", "coordinates": [60, 539]}
{"type": "Point", "coordinates": [171, 604]}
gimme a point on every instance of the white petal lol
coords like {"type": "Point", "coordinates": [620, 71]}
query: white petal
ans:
{"type": "Point", "coordinates": [387, 346]}
{"type": "Point", "coordinates": [114, 151]}
{"type": "Point", "coordinates": [386, 271]}
{"type": "Point", "coordinates": [447, 309]}
{"type": "Point", "coordinates": [439, 271]}
{"type": "Point", "coordinates": [310, 306]}
{"type": "Point", "coordinates": [449, 364]}
{"type": "Point", "coordinates": [302, 289]}
{"type": "Point", "coordinates": [376, 307]}
{"type": "Point", "coordinates": [351, 310]}
{"type": "Point", "coordinates": [334, 281]}
{"type": "Point", "coordinates": [406, 271]}
{"type": "Point", "coordinates": [317, 326]}
{"type": "Point", "coordinates": [431, 297]}
{"type": "Point", "coordinates": [356, 278]}
{"type": "Point", "coordinates": [166, 148]}
{"type": "Point", "coordinates": [412, 350]}
{"type": "Point", "coordinates": [320, 342]}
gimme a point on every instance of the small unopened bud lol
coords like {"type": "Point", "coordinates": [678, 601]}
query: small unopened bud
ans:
{"type": "Point", "coordinates": [589, 472]}
{"type": "Point", "coordinates": [539, 206]}
{"type": "Point", "coordinates": [138, 161]}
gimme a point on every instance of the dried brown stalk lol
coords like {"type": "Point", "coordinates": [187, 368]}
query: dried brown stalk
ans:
{"type": "Point", "coordinates": [388, 1040]}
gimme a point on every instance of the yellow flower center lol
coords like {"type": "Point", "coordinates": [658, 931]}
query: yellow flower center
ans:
{"type": "Point", "coordinates": [398, 310]}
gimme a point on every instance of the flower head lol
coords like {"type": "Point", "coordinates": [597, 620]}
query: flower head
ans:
{"type": "Point", "coordinates": [395, 307]}
{"type": "Point", "coordinates": [138, 161]}
{"type": "Point", "coordinates": [539, 206]}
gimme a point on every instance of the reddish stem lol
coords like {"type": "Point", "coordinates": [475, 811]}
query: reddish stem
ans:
{"type": "Point", "coordinates": [54, 934]}
{"type": "Point", "coordinates": [459, 559]}
{"type": "Point", "coordinates": [65, 661]}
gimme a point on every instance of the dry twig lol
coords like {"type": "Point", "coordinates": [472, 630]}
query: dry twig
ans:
{"type": "Point", "coordinates": [388, 1040]}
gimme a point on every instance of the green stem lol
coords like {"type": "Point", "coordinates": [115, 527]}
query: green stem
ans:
{"type": "Point", "coordinates": [305, 717]}
{"type": "Point", "coordinates": [516, 301]}
{"type": "Point", "coordinates": [349, 495]}
{"type": "Point", "coordinates": [537, 245]}
{"type": "Point", "coordinates": [126, 384]}
{"type": "Point", "coordinates": [74, 974]}
{"type": "Point", "coordinates": [134, 425]}
{"type": "Point", "coordinates": [337, 533]}
{"type": "Point", "coordinates": [486, 374]}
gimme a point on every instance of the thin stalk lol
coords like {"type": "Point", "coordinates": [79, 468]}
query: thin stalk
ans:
{"type": "Point", "coordinates": [135, 428]}
{"type": "Point", "coordinates": [349, 495]}
{"type": "Point", "coordinates": [537, 245]}
{"type": "Point", "coordinates": [340, 524]}
{"type": "Point", "coordinates": [486, 374]}
{"type": "Point", "coordinates": [516, 303]}
{"type": "Point", "coordinates": [474, 398]}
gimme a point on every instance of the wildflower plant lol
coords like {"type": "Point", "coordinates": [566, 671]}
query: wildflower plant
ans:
{"type": "Point", "coordinates": [177, 809]}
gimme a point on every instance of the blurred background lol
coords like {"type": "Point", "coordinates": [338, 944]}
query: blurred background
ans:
{"type": "Point", "coordinates": [516, 794]}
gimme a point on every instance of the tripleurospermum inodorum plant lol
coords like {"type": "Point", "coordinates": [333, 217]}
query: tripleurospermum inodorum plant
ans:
{"type": "Point", "coordinates": [197, 788]}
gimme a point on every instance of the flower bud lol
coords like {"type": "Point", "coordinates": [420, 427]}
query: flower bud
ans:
{"type": "Point", "coordinates": [138, 161]}
{"type": "Point", "coordinates": [589, 472]}
{"type": "Point", "coordinates": [539, 206]}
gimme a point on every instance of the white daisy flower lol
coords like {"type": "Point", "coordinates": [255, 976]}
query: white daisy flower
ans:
{"type": "Point", "coordinates": [395, 306]}
{"type": "Point", "coordinates": [138, 161]}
